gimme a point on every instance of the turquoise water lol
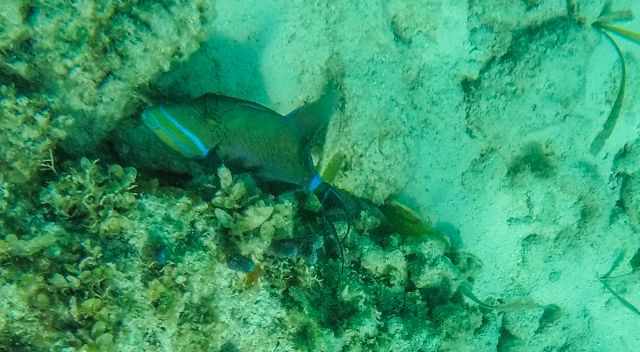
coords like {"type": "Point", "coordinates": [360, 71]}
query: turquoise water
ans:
{"type": "Point", "coordinates": [319, 176]}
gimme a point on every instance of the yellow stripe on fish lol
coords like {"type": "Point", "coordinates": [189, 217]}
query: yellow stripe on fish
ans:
{"type": "Point", "coordinates": [182, 128]}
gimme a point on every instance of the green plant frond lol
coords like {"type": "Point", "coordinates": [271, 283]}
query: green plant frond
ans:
{"type": "Point", "coordinates": [465, 289]}
{"type": "Point", "coordinates": [621, 31]}
{"type": "Point", "coordinates": [622, 300]}
{"type": "Point", "coordinates": [518, 304]}
{"type": "Point", "coordinates": [616, 16]}
{"type": "Point", "coordinates": [617, 260]}
{"type": "Point", "coordinates": [610, 123]}
{"type": "Point", "coordinates": [607, 14]}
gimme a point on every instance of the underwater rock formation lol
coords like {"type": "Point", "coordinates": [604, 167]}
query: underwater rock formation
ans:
{"type": "Point", "coordinates": [110, 260]}
{"type": "Point", "coordinates": [91, 58]}
{"type": "Point", "coordinates": [29, 132]}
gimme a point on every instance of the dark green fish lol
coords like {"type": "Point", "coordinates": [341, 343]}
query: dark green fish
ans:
{"type": "Point", "coordinates": [245, 134]}
{"type": "Point", "coordinates": [240, 263]}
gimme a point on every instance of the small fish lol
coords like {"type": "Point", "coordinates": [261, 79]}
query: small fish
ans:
{"type": "Point", "coordinates": [288, 247]}
{"type": "Point", "coordinates": [240, 263]}
{"type": "Point", "coordinates": [305, 247]}
{"type": "Point", "coordinates": [246, 134]}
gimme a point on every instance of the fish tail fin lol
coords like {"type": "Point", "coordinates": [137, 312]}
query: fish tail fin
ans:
{"type": "Point", "coordinates": [315, 116]}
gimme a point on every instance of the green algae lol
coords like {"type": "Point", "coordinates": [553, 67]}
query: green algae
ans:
{"type": "Point", "coordinates": [402, 218]}
{"type": "Point", "coordinates": [598, 143]}
{"type": "Point", "coordinates": [331, 170]}
{"type": "Point", "coordinates": [91, 199]}
{"type": "Point", "coordinates": [534, 158]}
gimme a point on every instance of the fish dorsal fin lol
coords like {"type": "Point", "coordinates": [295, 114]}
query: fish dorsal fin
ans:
{"type": "Point", "coordinates": [183, 128]}
{"type": "Point", "coordinates": [220, 106]}
{"type": "Point", "coordinates": [256, 106]}
{"type": "Point", "coordinates": [314, 116]}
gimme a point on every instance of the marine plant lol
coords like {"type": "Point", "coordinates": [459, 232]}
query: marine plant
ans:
{"type": "Point", "coordinates": [607, 277]}
{"type": "Point", "coordinates": [604, 24]}
{"type": "Point", "coordinates": [57, 288]}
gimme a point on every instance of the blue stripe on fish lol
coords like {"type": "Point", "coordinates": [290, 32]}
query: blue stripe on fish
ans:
{"type": "Point", "coordinates": [314, 183]}
{"type": "Point", "coordinates": [192, 137]}
{"type": "Point", "coordinates": [151, 120]}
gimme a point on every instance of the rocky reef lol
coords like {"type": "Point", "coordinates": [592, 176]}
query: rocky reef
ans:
{"type": "Point", "coordinates": [107, 260]}
{"type": "Point", "coordinates": [80, 67]}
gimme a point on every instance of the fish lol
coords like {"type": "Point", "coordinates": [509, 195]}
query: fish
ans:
{"type": "Point", "coordinates": [305, 247]}
{"type": "Point", "coordinates": [245, 134]}
{"type": "Point", "coordinates": [240, 263]}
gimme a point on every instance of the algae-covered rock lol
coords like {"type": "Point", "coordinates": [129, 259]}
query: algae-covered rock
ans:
{"type": "Point", "coordinates": [29, 131]}
{"type": "Point", "coordinates": [12, 246]}
{"type": "Point", "coordinates": [523, 323]}
{"type": "Point", "coordinates": [128, 262]}
{"type": "Point", "coordinates": [89, 196]}
{"type": "Point", "coordinates": [92, 57]}
{"type": "Point", "coordinates": [12, 28]}
{"type": "Point", "coordinates": [391, 265]}
{"type": "Point", "coordinates": [627, 169]}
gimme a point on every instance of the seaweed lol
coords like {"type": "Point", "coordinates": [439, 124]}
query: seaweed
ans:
{"type": "Point", "coordinates": [607, 276]}
{"type": "Point", "coordinates": [621, 31]}
{"type": "Point", "coordinates": [622, 300]}
{"type": "Point", "coordinates": [401, 217]}
{"type": "Point", "coordinates": [635, 261]}
{"type": "Point", "coordinates": [604, 26]}
{"type": "Point", "coordinates": [517, 304]}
